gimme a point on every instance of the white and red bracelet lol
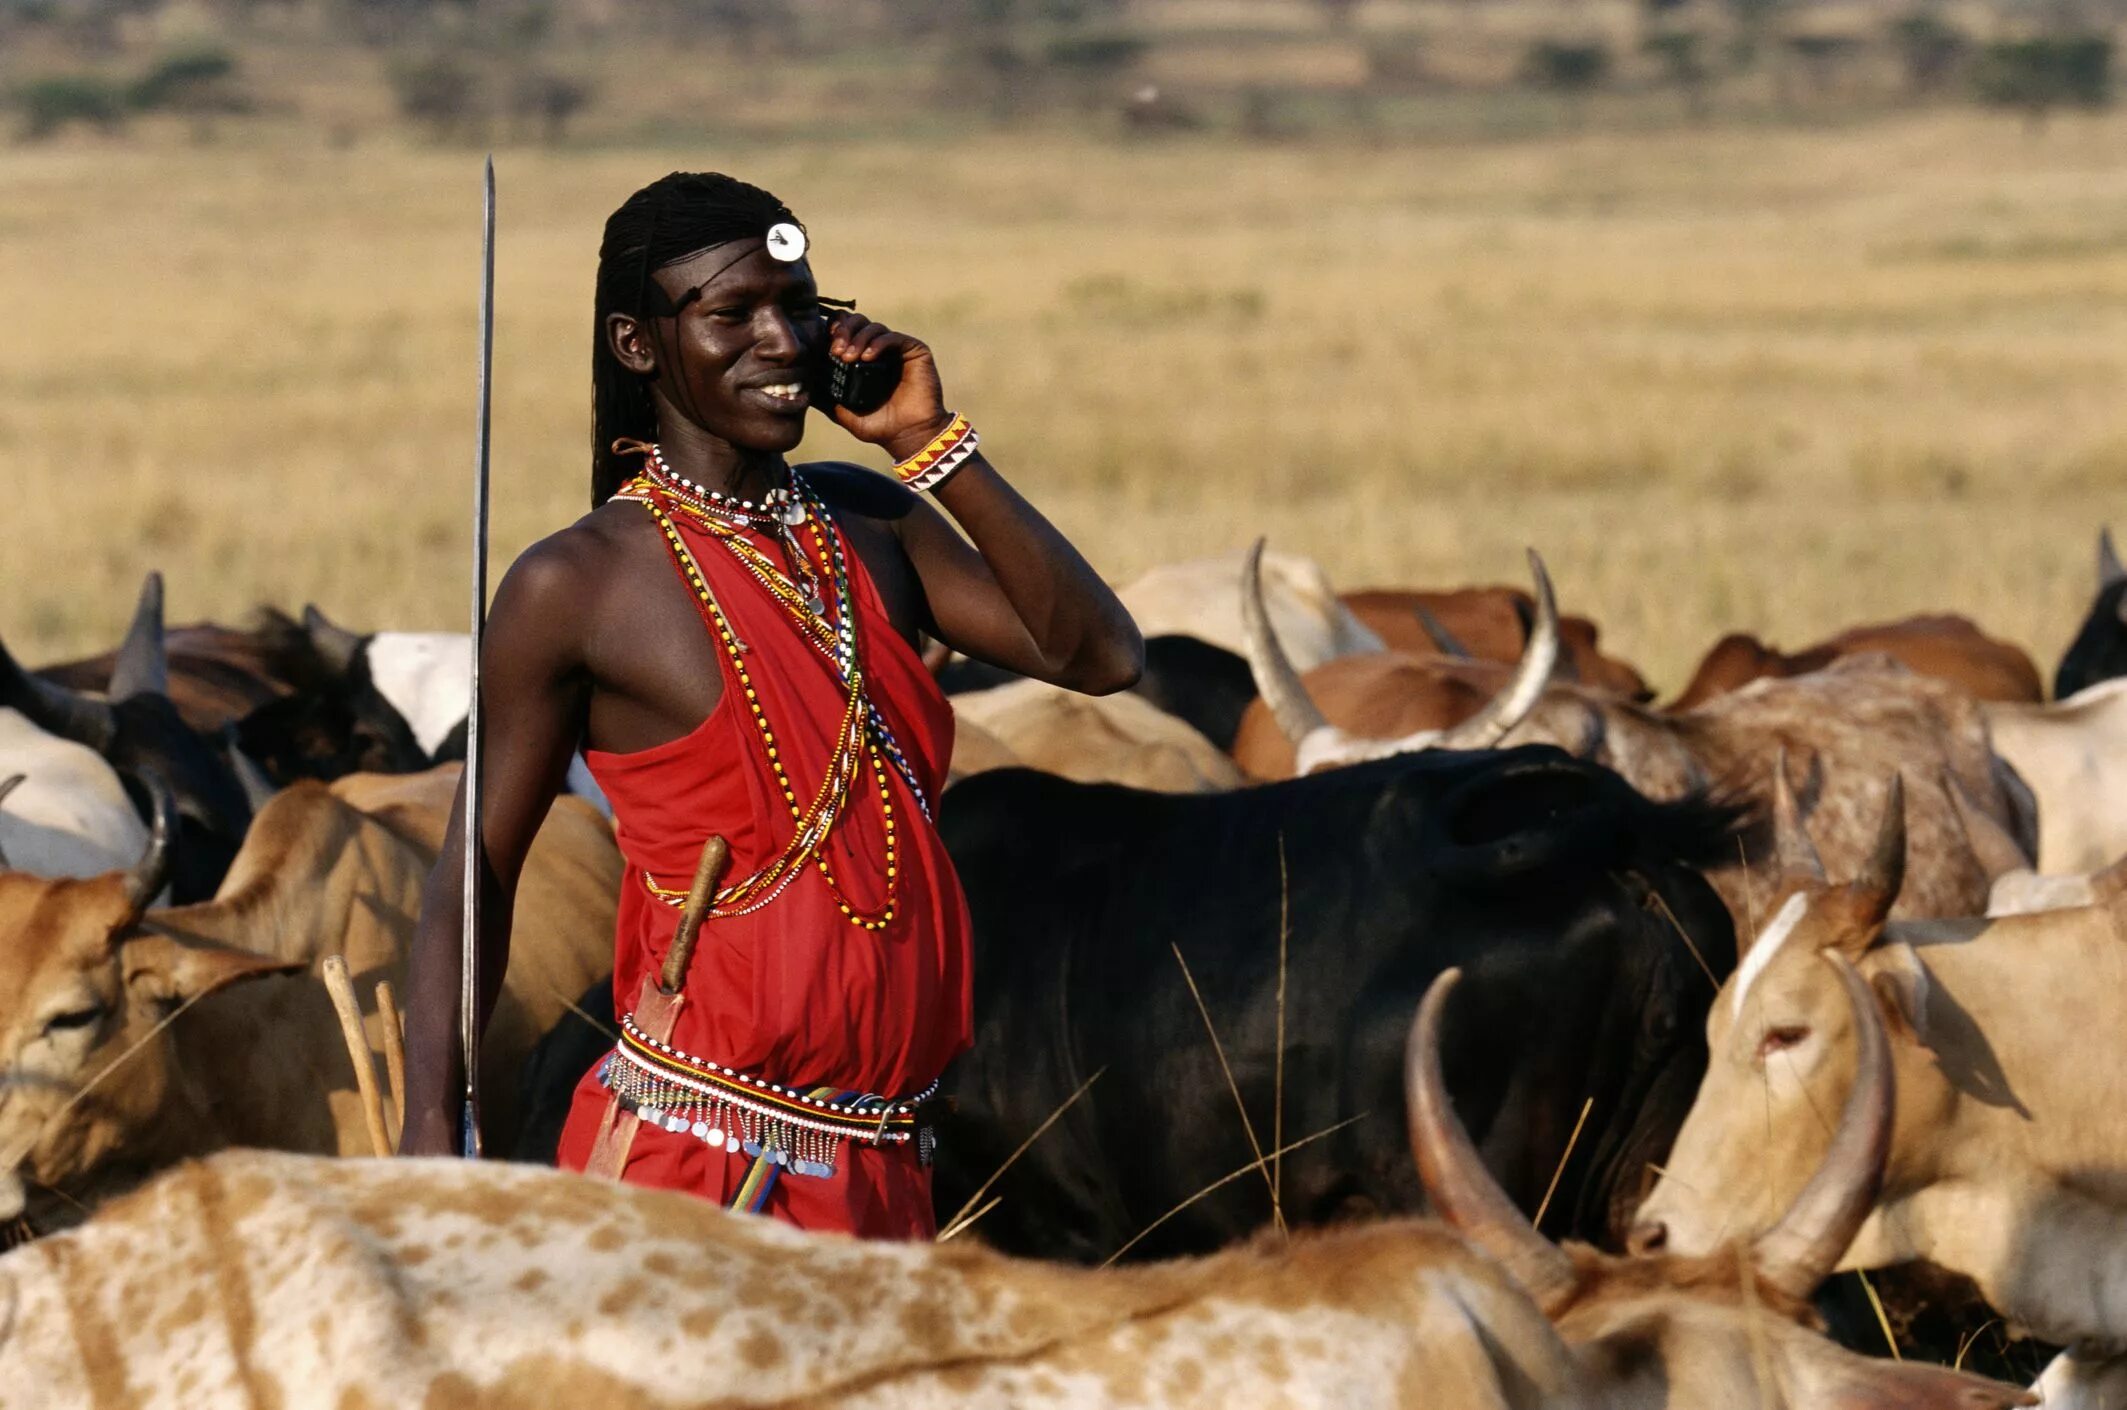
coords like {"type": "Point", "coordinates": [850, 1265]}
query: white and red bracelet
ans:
{"type": "Point", "coordinates": [931, 466]}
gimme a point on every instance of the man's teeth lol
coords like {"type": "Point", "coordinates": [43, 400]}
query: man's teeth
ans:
{"type": "Point", "coordinates": [786, 391]}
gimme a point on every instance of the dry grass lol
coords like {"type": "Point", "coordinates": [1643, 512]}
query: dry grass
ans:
{"type": "Point", "coordinates": [1766, 379]}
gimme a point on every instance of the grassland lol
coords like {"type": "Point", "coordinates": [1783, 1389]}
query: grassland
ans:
{"type": "Point", "coordinates": [1782, 380]}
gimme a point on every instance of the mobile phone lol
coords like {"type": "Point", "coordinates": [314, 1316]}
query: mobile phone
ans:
{"type": "Point", "coordinates": [863, 387]}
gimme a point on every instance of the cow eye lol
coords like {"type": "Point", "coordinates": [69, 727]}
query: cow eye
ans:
{"type": "Point", "coordinates": [72, 1020]}
{"type": "Point", "coordinates": [1779, 1040]}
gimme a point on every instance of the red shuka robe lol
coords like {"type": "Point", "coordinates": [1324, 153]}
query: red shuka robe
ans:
{"type": "Point", "coordinates": [795, 993]}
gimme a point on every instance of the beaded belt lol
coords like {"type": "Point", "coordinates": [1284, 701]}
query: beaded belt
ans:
{"type": "Point", "coordinates": [798, 1131]}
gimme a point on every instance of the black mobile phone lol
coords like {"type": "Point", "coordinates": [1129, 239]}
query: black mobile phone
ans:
{"type": "Point", "coordinates": [863, 387]}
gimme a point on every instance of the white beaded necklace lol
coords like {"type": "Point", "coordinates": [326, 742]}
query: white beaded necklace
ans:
{"type": "Point", "coordinates": [778, 506]}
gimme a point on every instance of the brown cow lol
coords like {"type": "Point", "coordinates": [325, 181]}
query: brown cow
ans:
{"type": "Point", "coordinates": [1489, 624]}
{"type": "Point", "coordinates": [128, 1043]}
{"type": "Point", "coordinates": [1846, 729]}
{"type": "Point", "coordinates": [1948, 648]}
{"type": "Point", "coordinates": [1119, 738]}
{"type": "Point", "coordinates": [273, 1279]}
{"type": "Point", "coordinates": [1382, 695]}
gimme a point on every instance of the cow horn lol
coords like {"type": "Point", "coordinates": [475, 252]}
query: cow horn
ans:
{"type": "Point", "coordinates": [2109, 569]}
{"type": "Point", "coordinates": [1800, 1251]}
{"type": "Point", "coordinates": [143, 666]}
{"type": "Point", "coordinates": [1998, 852]}
{"type": "Point", "coordinates": [1792, 846]}
{"type": "Point", "coordinates": [1463, 1192]}
{"type": "Point", "coordinates": [8, 785]}
{"type": "Point", "coordinates": [1276, 681]}
{"type": "Point", "coordinates": [334, 643]}
{"type": "Point", "coordinates": [145, 880]}
{"type": "Point", "coordinates": [55, 709]}
{"type": "Point", "coordinates": [1884, 876]}
{"type": "Point", "coordinates": [1539, 658]}
{"type": "Point", "coordinates": [1446, 641]}
{"type": "Point", "coordinates": [258, 788]}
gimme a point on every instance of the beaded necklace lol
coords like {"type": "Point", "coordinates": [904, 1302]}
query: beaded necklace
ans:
{"type": "Point", "coordinates": [862, 735]}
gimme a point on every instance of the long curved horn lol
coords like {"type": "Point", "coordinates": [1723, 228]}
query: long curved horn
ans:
{"type": "Point", "coordinates": [1879, 883]}
{"type": "Point", "coordinates": [1539, 659]}
{"type": "Point", "coordinates": [147, 876]}
{"type": "Point", "coordinates": [1998, 852]}
{"type": "Point", "coordinates": [1800, 1251]}
{"type": "Point", "coordinates": [1463, 1192]}
{"type": "Point", "coordinates": [55, 709]}
{"type": "Point", "coordinates": [1792, 847]}
{"type": "Point", "coordinates": [8, 785]}
{"type": "Point", "coordinates": [1276, 681]}
{"type": "Point", "coordinates": [333, 642]}
{"type": "Point", "coordinates": [143, 666]}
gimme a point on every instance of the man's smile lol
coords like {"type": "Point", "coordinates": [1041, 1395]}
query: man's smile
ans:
{"type": "Point", "coordinates": [780, 397]}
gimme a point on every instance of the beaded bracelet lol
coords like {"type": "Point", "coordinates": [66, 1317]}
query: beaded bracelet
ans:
{"type": "Point", "coordinates": [950, 449]}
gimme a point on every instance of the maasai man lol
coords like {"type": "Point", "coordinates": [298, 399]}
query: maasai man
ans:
{"type": "Point", "coordinates": [735, 642]}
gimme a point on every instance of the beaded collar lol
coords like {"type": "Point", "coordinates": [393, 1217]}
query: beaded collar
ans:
{"type": "Point", "coordinates": [778, 507]}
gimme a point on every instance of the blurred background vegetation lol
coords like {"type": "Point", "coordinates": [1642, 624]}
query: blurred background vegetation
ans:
{"type": "Point", "coordinates": [569, 70]}
{"type": "Point", "coordinates": [1776, 315]}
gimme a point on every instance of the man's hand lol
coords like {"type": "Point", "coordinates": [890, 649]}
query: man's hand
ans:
{"type": "Point", "coordinates": [916, 411]}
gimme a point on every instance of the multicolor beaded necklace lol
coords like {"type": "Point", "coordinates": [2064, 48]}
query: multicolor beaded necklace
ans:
{"type": "Point", "coordinates": [862, 734]}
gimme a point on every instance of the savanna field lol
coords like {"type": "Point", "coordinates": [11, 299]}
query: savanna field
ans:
{"type": "Point", "coordinates": [1781, 378]}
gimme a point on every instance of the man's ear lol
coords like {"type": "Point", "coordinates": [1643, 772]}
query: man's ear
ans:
{"type": "Point", "coordinates": [165, 969]}
{"type": "Point", "coordinates": [628, 339]}
{"type": "Point", "coordinates": [1902, 983]}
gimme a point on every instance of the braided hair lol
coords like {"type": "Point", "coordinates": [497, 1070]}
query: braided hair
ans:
{"type": "Point", "coordinates": [673, 218]}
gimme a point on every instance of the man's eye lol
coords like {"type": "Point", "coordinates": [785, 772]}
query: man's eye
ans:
{"type": "Point", "coordinates": [727, 315]}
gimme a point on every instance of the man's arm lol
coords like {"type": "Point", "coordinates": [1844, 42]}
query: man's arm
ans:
{"type": "Point", "coordinates": [535, 689]}
{"type": "Point", "coordinates": [1021, 597]}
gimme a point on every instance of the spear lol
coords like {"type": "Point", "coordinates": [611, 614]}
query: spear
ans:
{"type": "Point", "coordinates": [469, 937]}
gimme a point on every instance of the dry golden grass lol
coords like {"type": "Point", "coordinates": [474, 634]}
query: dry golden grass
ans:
{"type": "Point", "coordinates": [1782, 380]}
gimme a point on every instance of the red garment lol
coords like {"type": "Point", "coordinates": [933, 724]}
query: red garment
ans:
{"type": "Point", "coordinates": [795, 993]}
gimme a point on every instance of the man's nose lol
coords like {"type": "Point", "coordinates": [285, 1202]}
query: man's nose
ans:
{"type": "Point", "coordinates": [779, 340]}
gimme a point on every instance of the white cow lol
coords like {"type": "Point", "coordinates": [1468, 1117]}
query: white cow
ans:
{"type": "Point", "coordinates": [1202, 598]}
{"type": "Point", "coordinates": [69, 816]}
{"type": "Point", "coordinates": [427, 678]}
{"type": "Point", "coordinates": [2073, 754]}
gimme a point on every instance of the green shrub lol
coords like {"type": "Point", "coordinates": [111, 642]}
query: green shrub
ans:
{"type": "Point", "coordinates": [2045, 72]}
{"type": "Point", "coordinates": [438, 91]}
{"type": "Point", "coordinates": [193, 80]}
{"type": "Point", "coordinates": [1930, 49]}
{"type": "Point", "coordinates": [1096, 53]}
{"type": "Point", "coordinates": [1567, 65]}
{"type": "Point", "coordinates": [50, 102]}
{"type": "Point", "coordinates": [547, 99]}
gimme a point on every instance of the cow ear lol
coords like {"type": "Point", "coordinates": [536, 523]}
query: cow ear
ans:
{"type": "Point", "coordinates": [1902, 983]}
{"type": "Point", "coordinates": [162, 968]}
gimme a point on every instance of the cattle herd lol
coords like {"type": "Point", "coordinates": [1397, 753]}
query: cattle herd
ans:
{"type": "Point", "coordinates": [1410, 1008]}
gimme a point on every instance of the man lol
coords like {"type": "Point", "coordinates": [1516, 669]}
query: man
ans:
{"type": "Point", "coordinates": [736, 643]}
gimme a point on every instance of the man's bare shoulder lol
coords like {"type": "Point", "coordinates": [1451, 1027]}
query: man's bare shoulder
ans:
{"type": "Point", "coordinates": [565, 569]}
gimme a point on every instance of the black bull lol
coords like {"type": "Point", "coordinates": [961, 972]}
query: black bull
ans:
{"type": "Point", "coordinates": [1566, 898]}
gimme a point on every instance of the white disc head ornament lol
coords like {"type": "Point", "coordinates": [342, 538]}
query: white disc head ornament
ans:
{"type": "Point", "coordinates": [786, 242]}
